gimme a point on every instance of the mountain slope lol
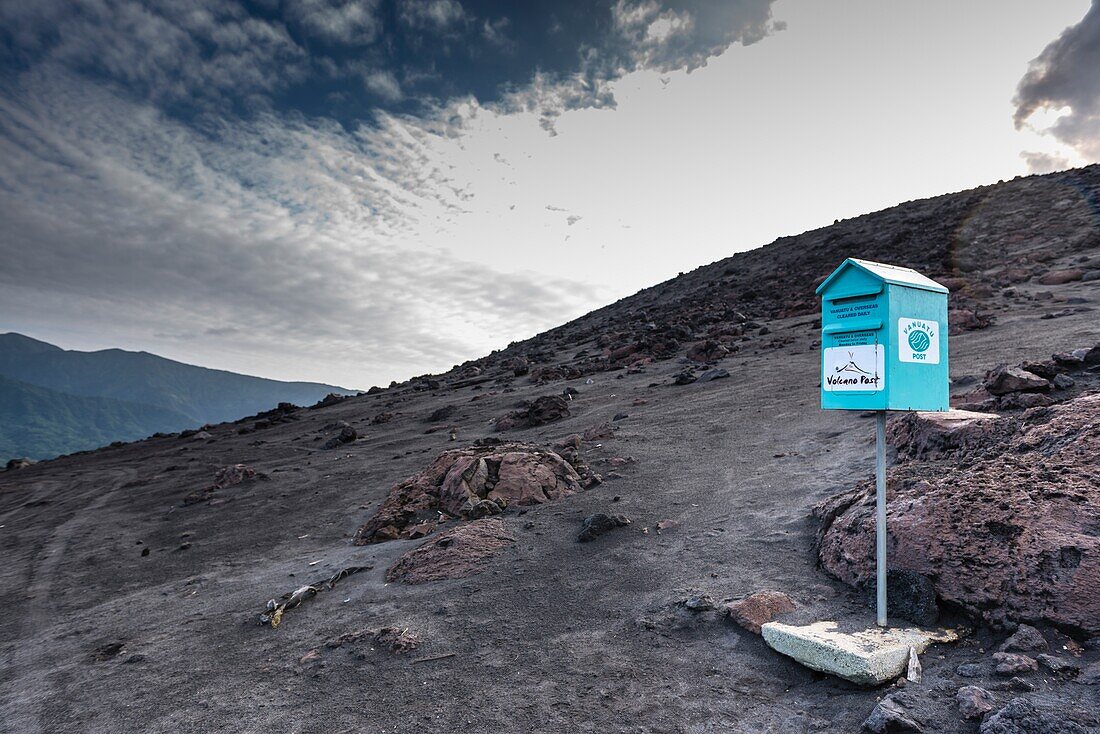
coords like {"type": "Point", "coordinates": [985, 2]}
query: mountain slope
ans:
{"type": "Point", "coordinates": [203, 395]}
{"type": "Point", "coordinates": [40, 423]}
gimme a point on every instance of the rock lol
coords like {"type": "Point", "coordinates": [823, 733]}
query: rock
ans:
{"type": "Point", "coordinates": [381, 418]}
{"type": "Point", "coordinates": [888, 717]}
{"type": "Point", "coordinates": [455, 484]}
{"type": "Point", "coordinates": [684, 378]}
{"type": "Point", "coordinates": [1091, 356]}
{"type": "Point", "coordinates": [1063, 382]}
{"type": "Point", "coordinates": [1005, 528]}
{"type": "Point", "coordinates": [1059, 667]}
{"type": "Point", "coordinates": [865, 656]}
{"type": "Point", "coordinates": [457, 553]}
{"type": "Point", "coordinates": [1016, 683]}
{"type": "Point", "coordinates": [16, 464]}
{"type": "Point", "coordinates": [346, 435]}
{"type": "Point", "coordinates": [441, 414]}
{"type": "Point", "coordinates": [227, 476]}
{"type": "Point", "coordinates": [707, 351]}
{"type": "Point", "coordinates": [974, 702]}
{"type": "Point", "coordinates": [760, 608]}
{"type": "Point", "coordinates": [599, 432]}
{"type": "Point", "coordinates": [543, 410]}
{"type": "Point", "coordinates": [969, 670]}
{"type": "Point", "coordinates": [1023, 401]}
{"type": "Point", "coordinates": [1060, 277]}
{"type": "Point", "coordinates": [1090, 676]}
{"type": "Point", "coordinates": [714, 374]}
{"type": "Point", "coordinates": [701, 603]}
{"type": "Point", "coordinates": [1068, 360]}
{"type": "Point", "coordinates": [965, 319]}
{"type": "Point", "coordinates": [1025, 639]}
{"type": "Point", "coordinates": [911, 596]}
{"type": "Point", "coordinates": [1021, 717]}
{"type": "Point", "coordinates": [598, 524]}
{"type": "Point", "coordinates": [1010, 663]}
{"type": "Point", "coordinates": [396, 639]}
{"type": "Point", "coordinates": [1004, 380]}
{"type": "Point", "coordinates": [923, 435]}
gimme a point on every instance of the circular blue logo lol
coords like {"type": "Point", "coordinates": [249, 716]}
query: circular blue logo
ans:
{"type": "Point", "coordinates": [919, 341]}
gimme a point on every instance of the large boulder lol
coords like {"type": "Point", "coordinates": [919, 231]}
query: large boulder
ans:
{"type": "Point", "coordinates": [469, 483]}
{"type": "Point", "coordinates": [1005, 528]}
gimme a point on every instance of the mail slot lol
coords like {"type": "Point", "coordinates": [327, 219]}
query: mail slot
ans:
{"type": "Point", "coordinates": [883, 339]}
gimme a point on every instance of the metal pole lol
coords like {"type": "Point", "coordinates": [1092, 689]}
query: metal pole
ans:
{"type": "Point", "coordinates": [880, 516]}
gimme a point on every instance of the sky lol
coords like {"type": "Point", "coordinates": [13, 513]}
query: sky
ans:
{"type": "Point", "coordinates": [359, 191]}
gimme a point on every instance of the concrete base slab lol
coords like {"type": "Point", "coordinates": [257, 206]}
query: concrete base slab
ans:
{"type": "Point", "coordinates": [866, 656]}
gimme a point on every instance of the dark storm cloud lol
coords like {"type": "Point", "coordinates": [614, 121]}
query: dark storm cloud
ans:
{"type": "Point", "coordinates": [238, 171]}
{"type": "Point", "coordinates": [1067, 74]}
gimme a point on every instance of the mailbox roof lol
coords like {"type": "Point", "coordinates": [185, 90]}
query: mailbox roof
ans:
{"type": "Point", "coordinates": [892, 274]}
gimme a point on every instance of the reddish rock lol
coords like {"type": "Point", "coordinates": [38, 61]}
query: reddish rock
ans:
{"type": "Point", "coordinates": [932, 435]}
{"type": "Point", "coordinates": [227, 476]}
{"type": "Point", "coordinates": [1005, 528]}
{"type": "Point", "coordinates": [764, 606]}
{"type": "Point", "coordinates": [458, 482]}
{"type": "Point", "coordinates": [1060, 277]}
{"type": "Point", "coordinates": [1003, 380]}
{"type": "Point", "coordinates": [974, 702]}
{"type": "Point", "coordinates": [1010, 663]}
{"type": "Point", "coordinates": [965, 319]}
{"type": "Point", "coordinates": [707, 351]}
{"type": "Point", "coordinates": [457, 553]}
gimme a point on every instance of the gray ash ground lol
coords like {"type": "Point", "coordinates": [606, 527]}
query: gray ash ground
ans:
{"type": "Point", "coordinates": [128, 611]}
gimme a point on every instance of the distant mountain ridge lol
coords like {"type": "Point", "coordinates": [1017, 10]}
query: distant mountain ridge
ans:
{"type": "Point", "coordinates": [55, 401]}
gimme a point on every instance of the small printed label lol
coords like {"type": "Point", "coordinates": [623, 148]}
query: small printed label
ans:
{"type": "Point", "coordinates": [919, 341]}
{"type": "Point", "coordinates": [857, 368]}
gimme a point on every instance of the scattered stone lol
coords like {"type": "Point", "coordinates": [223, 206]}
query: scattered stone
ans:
{"type": "Point", "coordinates": [684, 378]}
{"type": "Point", "coordinates": [764, 606]}
{"type": "Point", "coordinates": [1025, 639]}
{"type": "Point", "coordinates": [441, 414]}
{"type": "Point", "coordinates": [1063, 382]}
{"type": "Point", "coordinates": [869, 657]}
{"type": "Point", "coordinates": [381, 418]}
{"type": "Point", "coordinates": [1090, 676]}
{"type": "Point", "coordinates": [700, 603]}
{"type": "Point", "coordinates": [1010, 663]}
{"type": "Point", "coordinates": [1003, 380]}
{"type": "Point", "coordinates": [1021, 717]}
{"type": "Point", "coordinates": [969, 670]}
{"type": "Point", "coordinates": [1060, 277]}
{"type": "Point", "coordinates": [106, 652]}
{"type": "Point", "coordinates": [16, 464]}
{"type": "Point", "coordinates": [457, 553]}
{"type": "Point", "coordinates": [1059, 667]}
{"type": "Point", "coordinates": [662, 525]}
{"type": "Point", "coordinates": [396, 639]}
{"type": "Point", "coordinates": [227, 476]}
{"type": "Point", "coordinates": [889, 717]}
{"type": "Point", "coordinates": [598, 524]}
{"type": "Point", "coordinates": [543, 410]}
{"type": "Point", "coordinates": [974, 701]}
{"type": "Point", "coordinates": [1016, 683]}
{"type": "Point", "coordinates": [346, 435]}
{"type": "Point", "coordinates": [599, 432]}
{"type": "Point", "coordinates": [714, 374]}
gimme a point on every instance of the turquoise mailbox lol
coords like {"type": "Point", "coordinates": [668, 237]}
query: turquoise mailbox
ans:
{"type": "Point", "coordinates": [883, 339]}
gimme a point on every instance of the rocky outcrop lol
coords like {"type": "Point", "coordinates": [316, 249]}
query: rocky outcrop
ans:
{"type": "Point", "coordinates": [467, 484]}
{"type": "Point", "coordinates": [457, 553]}
{"type": "Point", "coordinates": [1006, 528]}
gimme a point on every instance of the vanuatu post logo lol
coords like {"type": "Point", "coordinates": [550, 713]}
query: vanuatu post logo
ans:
{"type": "Point", "coordinates": [919, 341]}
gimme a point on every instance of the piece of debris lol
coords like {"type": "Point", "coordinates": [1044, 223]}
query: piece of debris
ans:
{"type": "Point", "coordinates": [913, 672]}
{"type": "Point", "coordinates": [273, 615]}
{"type": "Point", "coordinates": [866, 656]}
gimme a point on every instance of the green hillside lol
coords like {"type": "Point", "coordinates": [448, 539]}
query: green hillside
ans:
{"type": "Point", "coordinates": [88, 399]}
{"type": "Point", "coordinates": [40, 423]}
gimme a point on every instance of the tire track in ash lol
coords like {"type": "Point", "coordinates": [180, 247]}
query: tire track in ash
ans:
{"type": "Point", "coordinates": [26, 660]}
